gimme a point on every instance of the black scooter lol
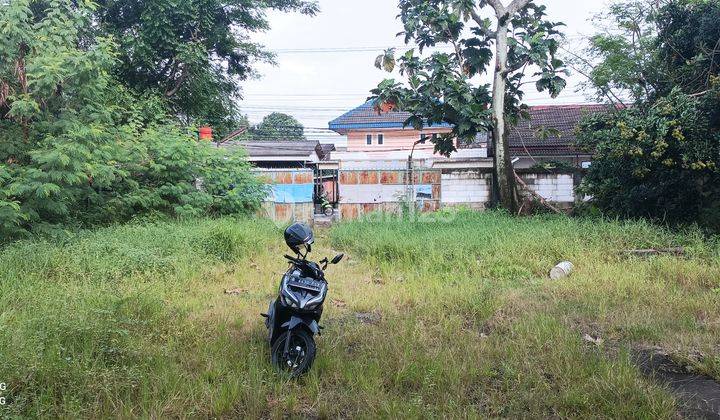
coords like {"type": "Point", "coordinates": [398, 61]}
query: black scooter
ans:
{"type": "Point", "coordinates": [293, 318]}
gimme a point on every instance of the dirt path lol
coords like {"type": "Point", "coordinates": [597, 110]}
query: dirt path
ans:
{"type": "Point", "coordinates": [698, 395]}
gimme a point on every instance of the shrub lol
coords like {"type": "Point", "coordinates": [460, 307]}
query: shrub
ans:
{"type": "Point", "coordinates": [77, 149]}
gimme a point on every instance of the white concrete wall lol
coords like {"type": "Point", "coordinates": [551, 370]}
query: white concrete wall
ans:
{"type": "Point", "coordinates": [558, 188]}
{"type": "Point", "coordinates": [465, 187]}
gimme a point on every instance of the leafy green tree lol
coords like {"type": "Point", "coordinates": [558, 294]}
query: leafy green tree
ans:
{"type": "Point", "coordinates": [193, 52]}
{"type": "Point", "coordinates": [659, 158]}
{"type": "Point", "coordinates": [73, 145]}
{"type": "Point", "coordinates": [648, 48]}
{"type": "Point", "coordinates": [443, 87]}
{"type": "Point", "coordinates": [53, 147]}
{"type": "Point", "coordinates": [278, 126]}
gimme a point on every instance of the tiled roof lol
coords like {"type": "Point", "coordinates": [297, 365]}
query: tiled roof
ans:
{"type": "Point", "coordinates": [325, 149]}
{"type": "Point", "coordinates": [291, 149]}
{"type": "Point", "coordinates": [367, 117]}
{"type": "Point", "coordinates": [525, 138]}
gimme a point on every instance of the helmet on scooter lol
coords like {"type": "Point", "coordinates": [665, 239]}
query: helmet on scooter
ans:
{"type": "Point", "coordinates": [297, 235]}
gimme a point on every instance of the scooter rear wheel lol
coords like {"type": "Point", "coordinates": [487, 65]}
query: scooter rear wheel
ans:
{"type": "Point", "coordinates": [300, 356]}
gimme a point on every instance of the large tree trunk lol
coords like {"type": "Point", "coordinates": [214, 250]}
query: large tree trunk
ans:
{"type": "Point", "coordinates": [504, 173]}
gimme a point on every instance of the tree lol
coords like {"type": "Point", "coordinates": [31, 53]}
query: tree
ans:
{"type": "Point", "coordinates": [660, 157]}
{"type": "Point", "coordinates": [646, 49]}
{"type": "Point", "coordinates": [75, 149]}
{"type": "Point", "coordinates": [192, 52]}
{"type": "Point", "coordinates": [444, 87]}
{"type": "Point", "coordinates": [278, 126]}
{"type": "Point", "coordinates": [659, 161]}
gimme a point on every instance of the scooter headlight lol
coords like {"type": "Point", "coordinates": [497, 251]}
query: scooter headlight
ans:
{"type": "Point", "coordinates": [286, 297]}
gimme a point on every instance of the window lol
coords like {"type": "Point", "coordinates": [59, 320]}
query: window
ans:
{"type": "Point", "coordinates": [381, 138]}
{"type": "Point", "coordinates": [369, 139]}
{"type": "Point", "coordinates": [585, 165]}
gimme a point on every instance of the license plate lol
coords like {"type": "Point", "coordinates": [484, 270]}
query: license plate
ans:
{"type": "Point", "coordinates": [306, 284]}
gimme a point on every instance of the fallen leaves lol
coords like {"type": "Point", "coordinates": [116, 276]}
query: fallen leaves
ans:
{"type": "Point", "coordinates": [594, 340]}
{"type": "Point", "coordinates": [338, 303]}
{"type": "Point", "coordinates": [236, 291]}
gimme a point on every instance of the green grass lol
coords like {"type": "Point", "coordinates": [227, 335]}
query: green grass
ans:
{"type": "Point", "coordinates": [133, 321]}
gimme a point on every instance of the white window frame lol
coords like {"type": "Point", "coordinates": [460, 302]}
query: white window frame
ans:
{"type": "Point", "coordinates": [368, 139]}
{"type": "Point", "coordinates": [380, 139]}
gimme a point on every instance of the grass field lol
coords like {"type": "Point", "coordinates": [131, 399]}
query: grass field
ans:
{"type": "Point", "coordinates": [453, 317]}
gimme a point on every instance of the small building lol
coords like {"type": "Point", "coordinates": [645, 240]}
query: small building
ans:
{"type": "Point", "coordinates": [281, 154]}
{"type": "Point", "coordinates": [549, 135]}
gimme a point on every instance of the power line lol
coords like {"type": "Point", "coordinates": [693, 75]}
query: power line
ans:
{"type": "Point", "coordinates": [306, 94]}
{"type": "Point", "coordinates": [331, 50]}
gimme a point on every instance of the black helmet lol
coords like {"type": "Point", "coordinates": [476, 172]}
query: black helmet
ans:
{"type": "Point", "coordinates": [299, 234]}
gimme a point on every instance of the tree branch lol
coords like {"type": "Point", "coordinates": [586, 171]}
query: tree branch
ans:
{"type": "Point", "coordinates": [481, 25]}
{"type": "Point", "coordinates": [498, 7]}
{"type": "Point", "coordinates": [540, 198]}
{"type": "Point", "coordinates": [178, 83]}
{"type": "Point", "coordinates": [515, 6]}
{"type": "Point", "coordinates": [614, 99]}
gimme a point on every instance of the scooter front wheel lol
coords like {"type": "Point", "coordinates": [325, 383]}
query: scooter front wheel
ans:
{"type": "Point", "coordinates": [299, 356]}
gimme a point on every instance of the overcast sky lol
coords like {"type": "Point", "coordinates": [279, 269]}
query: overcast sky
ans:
{"type": "Point", "coordinates": [317, 79]}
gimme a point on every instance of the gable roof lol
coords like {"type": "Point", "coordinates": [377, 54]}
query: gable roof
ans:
{"type": "Point", "coordinates": [325, 149]}
{"type": "Point", "coordinates": [366, 117]}
{"type": "Point", "coordinates": [525, 138]}
{"type": "Point", "coordinates": [288, 150]}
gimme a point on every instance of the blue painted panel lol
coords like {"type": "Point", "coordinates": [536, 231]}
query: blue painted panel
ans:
{"type": "Point", "coordinates": [423, 191]}
{"type": "Point", "coordinates": [292, 193]}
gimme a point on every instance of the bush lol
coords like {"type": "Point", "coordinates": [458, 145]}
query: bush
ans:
{"type": "Point", "coordinates": [660, 162]}
{"type": "Point", "coordinates": [77, 149]}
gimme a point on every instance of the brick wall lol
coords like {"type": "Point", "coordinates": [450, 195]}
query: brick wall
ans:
{"type": "Point", "coordinates": [466, 187]}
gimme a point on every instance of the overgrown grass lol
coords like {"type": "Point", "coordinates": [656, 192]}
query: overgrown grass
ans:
{"type": "Point", "coordinates": [453, 318]}
{"type": "Point", "coordinates": [105, 323]}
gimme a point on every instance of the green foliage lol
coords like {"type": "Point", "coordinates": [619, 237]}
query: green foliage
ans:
{"type": "Point", "coordinates": [647, 48]}
{"type": "Point", "coordinates": [623, 60]}
{"type": "Point", "coordinates": [441, 88]}
{"type": "Point", "coordinates": [192, 52]}
{"type": "Point", "coordinates": [661, 162]}
{"type": "Point", "coordinates": [658, 159]}
{"type": "Point", "coordinates": [73, 145]}
{"type": "Point", "coordinates": [278, 126]}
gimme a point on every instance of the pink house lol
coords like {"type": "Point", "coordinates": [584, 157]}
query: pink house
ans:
{"type": "Point", "coordinates": [379, 139]}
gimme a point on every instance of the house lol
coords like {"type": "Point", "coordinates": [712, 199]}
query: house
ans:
{"type": "Point", "coordinates": [549, 135]}
{"type": "Point", "coordinates": [293, 170]}
{"type": "Point", "coordinates": [379, 139]}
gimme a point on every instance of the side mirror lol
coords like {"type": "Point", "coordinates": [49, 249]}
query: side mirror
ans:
{"type": "Point", "coordinates": [337, 258]}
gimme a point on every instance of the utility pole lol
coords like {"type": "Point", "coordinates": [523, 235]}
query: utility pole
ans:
{"type": "Point", "coordinates": [410, 180]}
